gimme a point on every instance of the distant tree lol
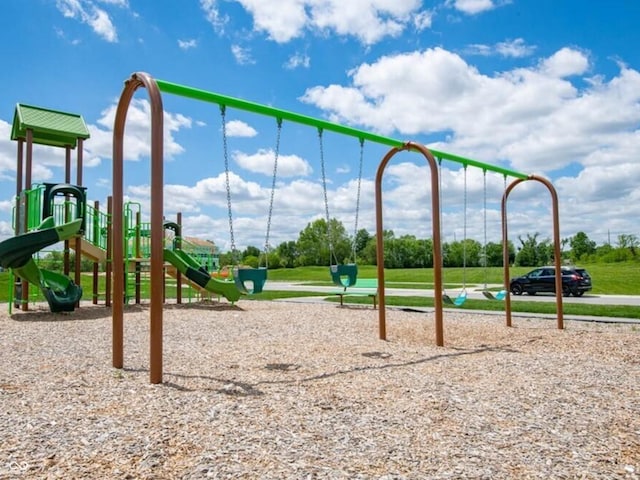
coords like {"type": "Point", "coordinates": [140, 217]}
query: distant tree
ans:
{"type": "Point", "coordinates": [251, 261]}
{"type": "Point", "coordinates": [362, 239]}
{"type": "Point", "coordinates": [313, 243]}
{"type": "Point", "coordinates": [251, 251]}
{"type": "Point", "coordinates": [274, 260]}
{"type": "Point", "coordinates": [533, 253]}
{"type": "Point", "coordinates": [368, 253]}
{"type": "Point", "coordinates": [463, 252]}
{"type": "Point", "coordinates": [581, 246]}
{"type": "Point", "coordinates": [288, 253]}
{"type": "Point", "coordinates": [493, 252]}
{"type": "Point", "coordinates": [629, 242]}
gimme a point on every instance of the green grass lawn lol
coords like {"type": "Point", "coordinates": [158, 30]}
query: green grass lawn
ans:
{"type": "Point", "coordinates": [608, 278]}
{"type": "Point", "coordinates": [620, 279]}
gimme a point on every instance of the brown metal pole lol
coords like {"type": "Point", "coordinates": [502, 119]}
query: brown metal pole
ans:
{"type": "Point", "coordinates": [96, 265]}
{"type": "Point", "coordinates": [557, 254]}
{"type": "Point", "coordinates": [20, 160]}
{"type": "Point", "coordinates": [137, 80]}
{"type": "Point", "coordinates": [138, 255]}
{"type": "Point", "coordinates": [437, 248]}
{"type": "Point", "coordinates": [556, 246]}
{"type": "Point", "coordinates": [178, 274]}
{"type": "Point", "coordinates": [67, 179]}
{"type": "Point", "coordinates": [78, 240]}
{"type": "Point", "coordinates": [18, 223]}
{"type": "Point", "coordinates": [505, 250]}
{"type": "Point", "coordinates": [109, 254]}
{"type": "Point", "coordinates": [27, 185]}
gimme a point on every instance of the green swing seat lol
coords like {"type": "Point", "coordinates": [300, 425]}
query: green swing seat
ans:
{"type": "Point", "coordinates": [256, 277]}
{"type": "Point", "coordinates": [344, 275]}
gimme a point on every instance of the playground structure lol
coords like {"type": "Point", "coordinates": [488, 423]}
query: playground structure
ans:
{"type": "Point", "coordinates": [154, 88]}
{"type": "Point", "coordinates": [35, 125]}
{"type": "Point", "coordinates": [48, 213]}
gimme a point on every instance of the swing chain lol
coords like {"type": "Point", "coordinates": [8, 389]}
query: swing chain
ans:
{"type": "Point", "coordinates": [355, 228]}
{"type": "Point", "coordinates": [326, 199]}
{"type": "Point", "coordinates": [464, 233]}
{"type": "Point", "coordinates": [273, 191]}
{"type": "Point", "coordinates": [227, 182]}
{"type": "Point", "coordinates": [484, 209]}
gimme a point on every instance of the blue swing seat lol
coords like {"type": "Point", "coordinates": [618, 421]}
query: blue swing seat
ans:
{"type": "Point", "coordinates": [344, 275]}
{"type": "Point", "coordinates": [458, 301]}
{"type": "Point", "coordinates": [498, 296]}
{"type": "Point", "coordinates": [255, 276]}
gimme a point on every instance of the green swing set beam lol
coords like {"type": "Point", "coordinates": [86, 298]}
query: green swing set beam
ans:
{"type": "Point", "coordinates": [205, 96]}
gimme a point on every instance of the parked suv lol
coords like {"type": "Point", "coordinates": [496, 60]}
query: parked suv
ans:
{"type": "Point", "coordinates": [575, 281]}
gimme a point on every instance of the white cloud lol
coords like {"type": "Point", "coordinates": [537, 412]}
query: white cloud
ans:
{"type": "Point", "coordinates": [533, 120]}
{"type": "Point", "coordinates": [137, 132]}
{"type": "Point", "coordinates": [423, 20]}
{"type": "Point", "coordinates": [262, 162]}
{"type": "Point", "coordinates": [45, 159]}
{"type": "Point", "coordinates": [298, 60]}
{"type": "Point", "coordinates": [87, 12]}
{"type": "Point", "coordinates": [565, 62]}
{"type": "Point", "coordinates": [7, 153]}
{"type": "Point", "coordinates": [513, 48]}
{"type": "Point", "coordinates": [187, 44]}
{"type": "Point", "coordinates": [283, 20]}
{"type": "Point", "coordinates": [213, 16]}
{"type": "Point", "coordinates": [238, 128]}
{"type": "Point", "coordinates": [472, 7]}
{"type": "Point", "coordinates": [117, 3]}
{"type": "Point", "coordinates": [533, 117]}
{"type": "Point", "coordinates": [242, 55]}
{"type": "Point", "coordinates": [367, 20]}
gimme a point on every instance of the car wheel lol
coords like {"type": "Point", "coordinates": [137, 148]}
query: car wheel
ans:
{"type": "Point", "coordinates": [566, 291]}
{"type": "Point", "coordinates": [516, 289]}
{"type": "Point", "coordinates": [578, 293]}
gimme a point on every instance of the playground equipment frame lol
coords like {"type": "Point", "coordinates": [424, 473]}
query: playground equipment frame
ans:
{"type": "Point", "coordinates": [154, 88]}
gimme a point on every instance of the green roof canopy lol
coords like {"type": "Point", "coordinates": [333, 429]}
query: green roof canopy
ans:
{"type": "Point", "coordinates": [50, 127]}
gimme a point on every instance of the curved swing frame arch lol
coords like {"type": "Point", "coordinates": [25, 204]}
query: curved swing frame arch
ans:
{"type": "Point", "coordinates": [556, 246]}
{"type": "Point", "coordinates": [437, 245]}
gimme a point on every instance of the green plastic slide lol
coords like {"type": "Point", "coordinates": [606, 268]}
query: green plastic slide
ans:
{"type": "Point", "coordinates": [16, 253]}
{"type": "Point", "coordinates": [191, 269]}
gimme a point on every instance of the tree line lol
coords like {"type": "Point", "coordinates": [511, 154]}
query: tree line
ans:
{"type": "Point", "coordinates": [312, 248]}
{"type": "Point", "coordinates": [319, 243]}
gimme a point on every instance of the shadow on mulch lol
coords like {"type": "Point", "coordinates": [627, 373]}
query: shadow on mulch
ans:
{"type": "Point", "coordinates": [43, 314]}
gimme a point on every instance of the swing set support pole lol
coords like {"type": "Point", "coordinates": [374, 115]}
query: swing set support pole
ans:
{"type": "Point", "coordinates": [557, 254]}
{"type": "Point", "coordinates": [437, 246]}
{"type": "Point", "coordinates": [136, 81]}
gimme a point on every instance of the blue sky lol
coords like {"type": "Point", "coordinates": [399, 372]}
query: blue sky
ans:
{"type": "Point", "coordinates": [538, 86]}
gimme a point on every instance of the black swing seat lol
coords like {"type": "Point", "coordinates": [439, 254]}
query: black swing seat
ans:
{"type": "Point", "coordinates": [255, 276]}
{"type": "Point", "coordinates": [344, 275]}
